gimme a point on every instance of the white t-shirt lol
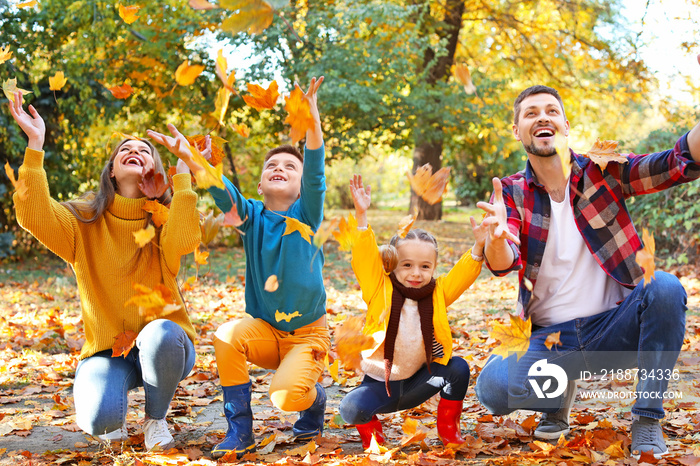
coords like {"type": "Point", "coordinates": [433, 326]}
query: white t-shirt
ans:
{"type": "Point", "coordinates": [570, 283]}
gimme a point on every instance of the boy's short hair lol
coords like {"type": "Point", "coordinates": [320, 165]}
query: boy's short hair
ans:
{"type": "Point", "coordinates": [532, 90]}
{"type": "Point", "coordinates": [285, 149]}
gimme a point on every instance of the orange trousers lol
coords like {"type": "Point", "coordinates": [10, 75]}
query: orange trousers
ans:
{"type": "Point", "coordinates": [297, 356]}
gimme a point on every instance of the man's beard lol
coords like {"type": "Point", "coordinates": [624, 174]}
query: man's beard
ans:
{"type": "Point", "coordinates": [541, 152]}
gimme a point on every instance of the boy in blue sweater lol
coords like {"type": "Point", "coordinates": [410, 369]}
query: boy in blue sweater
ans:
{"type": "Point", "coordinates": [293, 187]}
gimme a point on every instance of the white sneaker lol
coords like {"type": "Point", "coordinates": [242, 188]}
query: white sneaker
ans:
{"type": "Point", "coordinates": [155, 433]}
{"type": "Point", "coordinates": [116, 435]}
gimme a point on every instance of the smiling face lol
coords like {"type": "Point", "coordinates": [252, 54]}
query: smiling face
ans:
{"type": "Point", "coordinates": [280, 182]}
{"type": "Point", "coordinates": [132, 160]}
{"type": "Point", "coordinates": [540, 118]}
{"type": "Point", "coordinates": [417, 260]}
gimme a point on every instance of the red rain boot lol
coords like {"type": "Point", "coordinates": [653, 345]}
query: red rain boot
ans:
{"type": "Point", "coordinates": [366, 431]}
{"type": "Point", "coordinates": [449, 412]}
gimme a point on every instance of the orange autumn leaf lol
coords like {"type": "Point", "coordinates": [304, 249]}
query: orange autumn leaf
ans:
{"type": "Point", "coordinates": [293, 225]}
{"type": "Point", "coordinates": [57, 81]}
{"type": "Point", "coordinates": [431, 187]}
{"type": "Point", "coordinates": [128, 13]}
{"type": "Point", "coordinates": [221, 69]}
{"type": "Point", "coordinates": [347, 233]}
{"type": "Point", "coordinates": [201, 5]}
{"type": "Point", "coordinates": [253, 16]}
{"type": "Point", "coordinates": [464, 77]}
{"type": "Point", "coordinates": [323, 233]}
{"type": "Point", "coordinates": [232, 219]}
{"type": "Point", "coordinates": [153, 185]}
{"type": "Point", "coordinates": [152, 303]}
{"type": "Point", "coordinates": [121, 92]}
{"type": "Point", "coordinates": [27, 4]}
{"type": "Point", "coordinates": [261, 98]}
{"type": "Point", "coordinates": [515, 337]}
{"type": "Point", "coordinates": [241, 129]}
{"type": "Point", "coordinates": [413, 432]}
{"type": "Point", "coordinates": [5, 54]}
{"type": "Point", "coordinates": [159, 213]}
{"type": "Point", "coordinates": [271, 284]}
{"type": "Point", "coordinates": [406, 223]}
{"type": "Point", "coordinates": [209, 175]}
{"type": "Point", "coordinates": [210, 226]}
{"type": "Point", "coordinates": [123, 343]}
{"type": "Point", "coordinates": [217, 146]}
{"type": "Point", "coordinates": [200, 257]}
{"type": "Point", "coordinates": [350, 341]}
{"type": "Point", "coordinates": [604, 152]}
{"type": "Point", "coordinates": [186, 74]}
{"type": "Point", "coordinates": [299, 114]}
{"type": "Point", "coordinates": [280, 316]}
{"type": "Point", "coordinates": [19, 185]}
{"type": "Point", "coordinates": [144, 236]}
{"type": "Point", "coordinates": [645, 256]}
{"type": "Point", "coordinates": [552, 339]}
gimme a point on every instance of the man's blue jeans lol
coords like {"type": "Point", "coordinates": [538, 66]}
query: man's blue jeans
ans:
{"type": "Point", "coordinates": [370, 397]}
{"type": "Point", "coordinates": [162, 357]}
{"type": "Point", "coordinates": [646, 331]}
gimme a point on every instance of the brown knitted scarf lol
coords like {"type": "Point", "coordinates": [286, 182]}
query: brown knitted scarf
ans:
{"type": "Point", "coordinates": [424, 297]}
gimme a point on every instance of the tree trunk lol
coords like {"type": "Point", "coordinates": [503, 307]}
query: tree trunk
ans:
{"type": "Point", "coordinates": [428, 147]}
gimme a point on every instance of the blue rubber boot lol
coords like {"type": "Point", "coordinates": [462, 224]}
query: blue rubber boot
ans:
{"type": "Point", "coordinates": [310, 422]}
{"type": "Point", "coordinates": [239, 416]}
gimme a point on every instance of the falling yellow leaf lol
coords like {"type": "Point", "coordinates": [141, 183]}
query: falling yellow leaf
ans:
{"type": "Point", "coordinates": [298, 115]}
{"type": "Point", "coordinates": [57, 81]}
{"type": "Point", "coordinates": [5, 54]}
{"type": "Point", "coordinates": [293, 225]}
{"type": "Point", "coordinates": [463, 75]}
{"type": "Point", "coordinates": [9, 87]}
{"type": "Point", "coordinates": [431, 187]}
{"type": "Point", "coordinates": [323, 233]}
{"type": "Point", "coordinates": [208, 176]}
{"type": "Point", "coordinates": [186, 73]}
{"type": "Point", "coordinates": [223, 96]}
{"type": "Point", "coordinates": [375, 448]}
{"type": "Point", "coordinates": [200, 257]}
{"type": "Point", "coordinates": [241, 129]}
{"type": "Point", "coordinates": [152, 303]}
{"type": "Point", "coordinates": [280, 316]}
{"type": "Point", "coordinates": [645, 256]}
{"type": "Point", "coordinates": [27, 4]}
{"type": "Point", "coordinates": [347, 233]}
{"type": "Point", "coordinates": [515, 337]}
{"type": "Point", "coordinates": [406, 223]}
{"type": "Point", "coordinates": [561, 143]}
{"type": "Point", "coordinates": [271, 285]}
{"type": "Point", "coordinates": [261, 98]}
{"type": "Point", "coordinates": [604, 152]}
{"type": "Point", "coordinates": [159, 213]}
{"type": "Point", "coordinates": [20, 186]}
{"type": "Point", "coordinates": [253, 16]}
{"type": "Point", "coordinates": [333, 370]}
{"type": "Point", "coordinates": [552, 339]}
{"type": "Point", "coordinates": [222, 70]}
{"type": "Point", "coordinates": [144, 236]}
{"type": "Point", "coordinates": [350, 341]}
{"type": "Point", "coordinates": [128, 13]}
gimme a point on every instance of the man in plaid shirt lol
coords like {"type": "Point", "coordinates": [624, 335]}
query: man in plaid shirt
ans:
{"type": "Point", "coordinates": [578, 274]}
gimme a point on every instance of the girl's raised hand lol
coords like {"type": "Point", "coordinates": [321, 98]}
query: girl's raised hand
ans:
{"type": "Point", "coordinates": [32, 125]}
{"type": "Point", "coordinates": [362, 198]}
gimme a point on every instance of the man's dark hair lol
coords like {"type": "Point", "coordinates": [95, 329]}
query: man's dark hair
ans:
{"type": "Point", "coordinates": [538, 89]}
{"type": "Point", "coordinates": [284, 149]}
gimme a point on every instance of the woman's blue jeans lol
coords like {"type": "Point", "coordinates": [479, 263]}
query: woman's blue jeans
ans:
{"type": "Point", "coordinates": [162, 357]}
{"type": "Point", "coordinates": [645, 330]}
{"type": "Point", "coordinates": [370, 397]}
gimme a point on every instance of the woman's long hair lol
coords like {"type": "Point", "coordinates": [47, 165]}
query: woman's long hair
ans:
{"type": "Point", "coordinates": [90, 207]}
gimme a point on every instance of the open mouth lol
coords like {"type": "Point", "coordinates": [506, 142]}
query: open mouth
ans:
{"type": "Point", "coordinates": [544, 133]}
{"type": "Point", "coordinates": [277, 178]}
{"type": "Point", "coordinates": [133, 160]}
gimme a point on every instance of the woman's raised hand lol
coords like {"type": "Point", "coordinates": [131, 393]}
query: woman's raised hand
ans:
{"type": "Point", "coordinates": [177, 144]}
{"type": "Point", "coordinates": [32, 125]}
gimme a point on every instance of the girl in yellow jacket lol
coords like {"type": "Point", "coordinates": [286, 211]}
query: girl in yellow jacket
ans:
{"type": "Point", "coordinates": [407, 315]}
{"type": "Point", "coordinates": [95, 235]}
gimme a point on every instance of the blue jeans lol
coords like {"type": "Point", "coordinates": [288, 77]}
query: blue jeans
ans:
{"type": "Point", "coordinates": [162, 357]}
{"type": "Point", "coordinates": [370, 397]}
{"type": "Point", "coordinates": [646, 331]}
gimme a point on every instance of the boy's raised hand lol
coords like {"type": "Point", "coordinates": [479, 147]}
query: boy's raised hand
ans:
{"type": "Point", "coordinates": [32, 125]}
{"type": "Point", "coordinates": [314, 136]}
{"type": "Point", "coordinates": [362, 198]}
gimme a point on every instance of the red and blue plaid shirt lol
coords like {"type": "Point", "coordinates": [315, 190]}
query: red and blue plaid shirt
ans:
{"type": "Point", "coordinates": [598, 200]}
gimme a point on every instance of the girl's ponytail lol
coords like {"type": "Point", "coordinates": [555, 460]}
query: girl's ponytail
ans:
{"type": "Point", "coordinates": [390, 257]}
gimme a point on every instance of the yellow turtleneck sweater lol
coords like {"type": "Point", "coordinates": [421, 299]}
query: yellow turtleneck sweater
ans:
{"type": "Point", "coordinates": [102, 254]}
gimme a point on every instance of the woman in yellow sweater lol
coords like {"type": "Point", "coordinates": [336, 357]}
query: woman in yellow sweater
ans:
{"type": "Point", "coordinates": [407, 315]}
{"type": "Point", "coordinates": [95, 235]}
